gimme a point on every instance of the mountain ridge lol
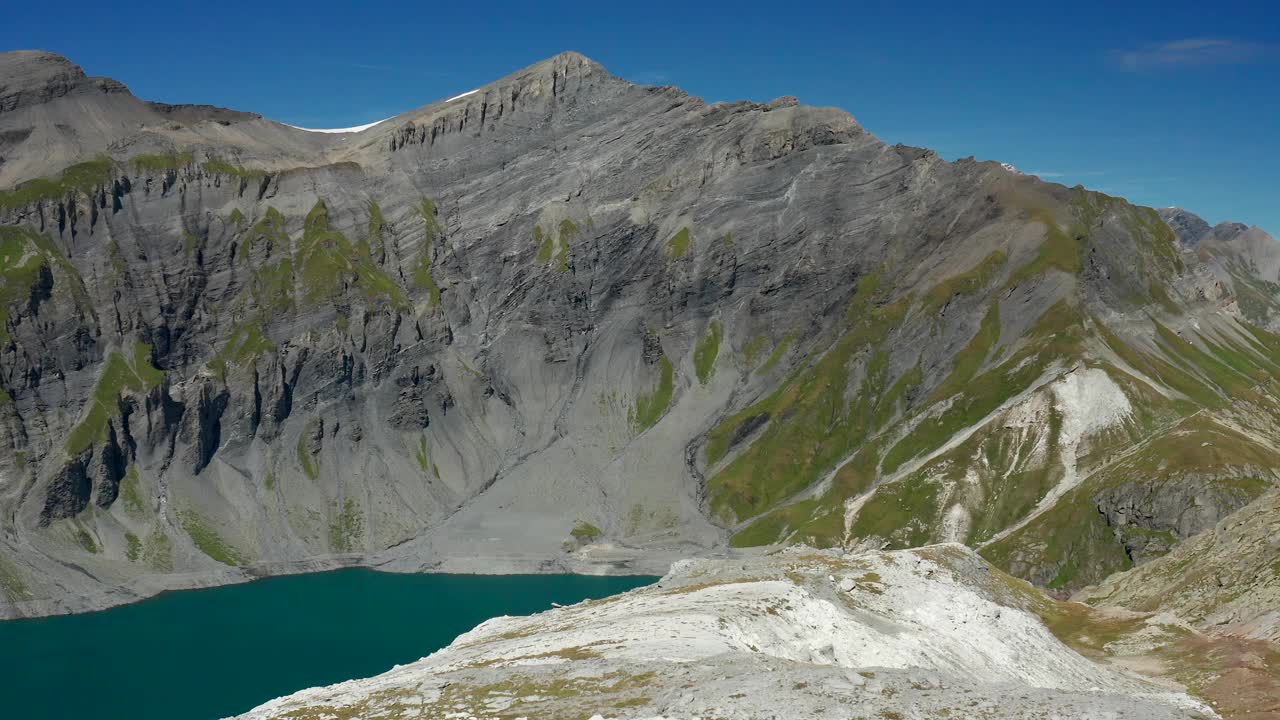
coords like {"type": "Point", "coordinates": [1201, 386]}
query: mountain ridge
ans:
{"type": "Point", "coordinates": [568, 323]}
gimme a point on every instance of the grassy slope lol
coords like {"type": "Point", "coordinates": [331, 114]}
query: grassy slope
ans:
{"type": "Point", "coordinates": [809, 428]}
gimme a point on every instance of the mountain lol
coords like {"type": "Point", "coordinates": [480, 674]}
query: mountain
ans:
{"type": "Point", "coordinates": [1243, 259]}
{"type": "Point", "coordinates": [933, 632]}
{"type": "Point", "coordinates": [1226, 580]}
{"type": "Point", "coordinates": [569, 323]}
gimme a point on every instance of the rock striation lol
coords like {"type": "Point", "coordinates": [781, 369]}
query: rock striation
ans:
{"type": "Point", "coordinates": [565, 322]}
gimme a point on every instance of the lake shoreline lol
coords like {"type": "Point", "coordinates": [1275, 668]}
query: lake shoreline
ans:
{"type": "Point", "coordinates": [599, 560]}
{"type": "Point", "coordinates": [217, 652]}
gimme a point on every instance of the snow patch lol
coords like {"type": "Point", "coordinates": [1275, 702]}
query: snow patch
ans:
{"type": "Point", "coordinates": [356, 129]}
{"type": "Point", "coordinates": [459, 97]}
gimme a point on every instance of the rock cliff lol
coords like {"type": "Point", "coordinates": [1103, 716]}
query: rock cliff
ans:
{"type": "Point", "coordinates": [566, 322]}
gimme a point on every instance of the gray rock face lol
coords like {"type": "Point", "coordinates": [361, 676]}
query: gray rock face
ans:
{"type": "Point", "coordinates": [1244, 269]}
{"type": "Point", "coordinates": [1186, 508]}
{"type": "Point", "coordinates": [1164, 513]}
{"type": "Point", "coordinates": [1225, 581]}
{"type": "Point", "coordinates": [31, 78]}
{"type": "Point", "coordinates": [1191, 228]}
{"type": "Point", "coordinates": [453, 340]}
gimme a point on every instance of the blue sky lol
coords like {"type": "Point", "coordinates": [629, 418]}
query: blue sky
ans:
{"type": "Point", "coordinates": [1170, 103]}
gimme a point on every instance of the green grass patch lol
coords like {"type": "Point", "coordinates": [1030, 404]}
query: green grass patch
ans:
{"type": "Point", "coordinates": [998, 475]}
{"type": "Point", "coordinates": [1154, 235]}
{"type": "Point", "coordinates": [811, 520]}
{"type": "Point", "coordinates": [422, 455]}
{"type": "Point", "coordinates": [1068, 546]}
{"type": "Point", "coordinates": [87, 177]}
{"type": "Point", "coordinates": [585, 531]}
{"type": "Point", "coordinates": [25, 255]}
{"type": "Point", "coordinates": [680, 243]}
{"type": "Point", "coordinates": [966, 283]}
{"type": "Point", "coordinates": [1057, 336]}
{"type": "Point", "coordinates": [21, 264]}
{"type": "Point", "coordinates": [905, 513]}
{"type": "Point", "coordinates": [1160, 294]}
{"type": "Point", "coordinates": [569, 232]}
{"type": "Point", "coordinates": [422, 276]}
{"type": "Point", "coordinates": [553, 246]}
{"type": "Point", "coordinates": [893, 401]}
{"type": "Point", "coordinates": [120, 372]}
{"type": "Point", "coordinates": [157, 551]}
{"type": "Point", "coordinates": [270, 232]}
{"type": "Point", "coordinates": [430, 220]}
{"type": "Point", "coordinates": [247, 343]}
{"type": "Point", "coordinates": [12, 585]}
{"type": "Point", "coordinates": [207, 540]}
{"type": "Point", "coordinates": [1161, 370]}
{"type": "Point", "coordinates": [1266, 343]}
{"type": "Point", "coordinates": [811, 424]}
{"type": "Point", "coordinates": [161, 162]}
{"type": "Point", "coordinates": [1058, 251]}
{"type": "Point", "coordinates": [1198, 447]}
{"type": "Point", "coordinates": [86, 541]}
{"type": "Point", "coordinates": [546, 245]}
{"type": "Point", "coordinates": [327, 263]}
{"type": "Point", "coordinates": [424, 280]}
{"type": "Point", "coordinates": [706, 351]}
{"type": "Point", "coordinates": [218, 166]}
{"type": "Point", "coordinates": [1234, 383]}
{"type": "Point", "coordinates": [778, 353]}
{"type": "Point", "coordinates": [272, 288]}
{"type": "Point", "coordinates": [134, 549]}
{"type": "Point", "coordinates": [376, 231]}
{"type": "Point", "coordinates": [1071, 544]}
{"type": "Point", "coordinates": [346, 527]}
{"type": "Point", "coordinates": [310, 466]}
{"type": "Point", "coordinates": [131, 492]}
{"type": "Point", "coordinates": [651, 406]}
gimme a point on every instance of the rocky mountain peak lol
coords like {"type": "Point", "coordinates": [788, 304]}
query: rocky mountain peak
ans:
{"type": "Point", "coordinates": [1189, 227]}
{"type": "Point", "coordinates": [558, 78]}
{"type": "Point", "coordinates": [30, 77]}
{"type": "Point", "coordinates": [1229, 231]}
{"type": "Point", "coordinates": [19, 65]}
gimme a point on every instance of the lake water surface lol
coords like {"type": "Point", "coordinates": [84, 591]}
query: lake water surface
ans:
{"type": "Point", "coordinates": [206, 654]}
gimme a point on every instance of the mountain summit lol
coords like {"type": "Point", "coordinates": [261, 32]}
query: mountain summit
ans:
{"type": "Point", "coordinates": [569, 323]}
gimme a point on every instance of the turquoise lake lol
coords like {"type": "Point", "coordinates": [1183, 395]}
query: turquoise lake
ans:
{"type": "Point", "coordinates": [206, 654]}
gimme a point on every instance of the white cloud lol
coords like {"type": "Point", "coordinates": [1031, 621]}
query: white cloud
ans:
{"type": "Point", "coordinates": [1194, 52]}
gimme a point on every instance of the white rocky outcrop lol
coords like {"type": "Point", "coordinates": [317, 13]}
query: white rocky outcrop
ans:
{"type": "Point", "coordinates": [931, 632]}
